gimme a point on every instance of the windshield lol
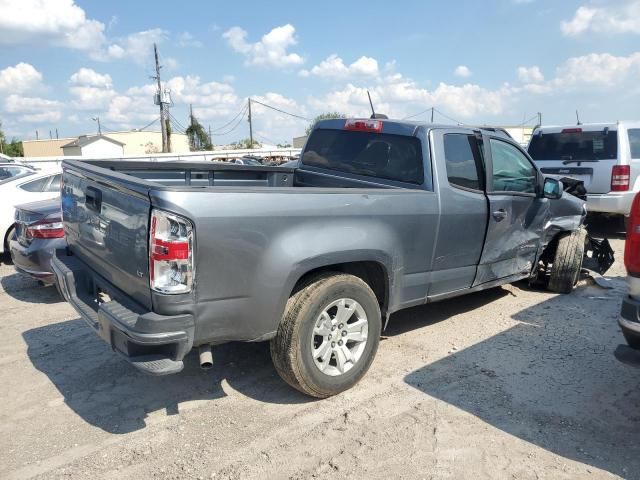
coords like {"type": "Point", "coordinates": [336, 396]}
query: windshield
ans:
{"type": "Point", "coordinates": [381, 155]}
{"type": "Point", "coordinates": [575, 146]}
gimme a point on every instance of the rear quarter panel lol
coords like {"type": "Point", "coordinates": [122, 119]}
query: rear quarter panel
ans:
{"type": "Point", "coordinates": [252, 249]}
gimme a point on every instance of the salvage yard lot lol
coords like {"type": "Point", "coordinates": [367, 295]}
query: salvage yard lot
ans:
{"type": "Point", "coordinates": [507, 383]}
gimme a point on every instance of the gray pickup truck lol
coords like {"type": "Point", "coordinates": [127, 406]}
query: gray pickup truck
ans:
{"type": "Point", "coordinates": [381, 215]}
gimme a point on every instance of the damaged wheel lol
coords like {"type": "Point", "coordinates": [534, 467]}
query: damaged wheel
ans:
{"type": "Point", "coordinates": [328, 336]}
{"type": "Point", "coordinates": [567, 262]}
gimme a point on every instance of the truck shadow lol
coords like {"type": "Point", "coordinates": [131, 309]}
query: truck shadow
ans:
{"type": "Point", "coordinates": [105, 391]}
{"type": "Point", "coordinates": [551, 380]}
{"type": "Point", "coordinates": [26, 289]}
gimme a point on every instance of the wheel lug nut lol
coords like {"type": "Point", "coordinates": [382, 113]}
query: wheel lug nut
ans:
{"type": "Point", "coordinates": [344, 333]}
{"type": "Point", "coordinates": [333, 328]}
{"type": "Point", "coordinates": [333, 344]}
{"type": "Point", "coordinates": [340, 326]}
{"type": "Point", "coordinates": [340, 342]}
{"type": "Point", "coordinates": [329, 336]}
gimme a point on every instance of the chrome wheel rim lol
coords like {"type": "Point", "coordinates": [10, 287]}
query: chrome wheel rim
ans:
{"type": "Point", "coordinates": [339, 337]}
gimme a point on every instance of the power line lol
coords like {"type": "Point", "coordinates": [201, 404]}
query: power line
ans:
{"type": "Point", "coordinates": [448, 117]}
{"type": "Point", "coordinates": [281, 111]}
{"type": "Point", "coordinates": [418, 114]}
{"type": "Point", "coordinates": [150, 123]}
{"type": "Point", "coordinates": [239, 114]}
{"type": "Point", "coordinates": [231, 129]}
{"type": "Point", "coordinates": [535, 117]}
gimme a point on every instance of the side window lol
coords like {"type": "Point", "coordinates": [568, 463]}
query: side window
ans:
{"type": "Point", "coordinates": [634, 142]}
{"type": "Point", "coordinates": [462, 157]}
{"type": "Point", "coordinates": [35, 185]}
{"type": "Point", "coordinates": [54, 186]}
{"type": "Point", "coordinates": [512, 171]}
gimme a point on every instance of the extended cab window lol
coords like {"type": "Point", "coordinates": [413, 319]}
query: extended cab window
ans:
{"type": "Point", "coordinates": [381, 155]}
{"type": "Point", "coordinates": [512, 171]}
{"type": "Point", "coordinates": [462, 157]}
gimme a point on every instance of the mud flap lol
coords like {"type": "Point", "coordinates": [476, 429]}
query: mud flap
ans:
{"type": "Point", "coordinates": [599, 255]}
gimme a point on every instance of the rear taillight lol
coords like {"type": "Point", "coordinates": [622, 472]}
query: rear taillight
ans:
{"type": "Point", "coordinates": [363, 125]}
{"type": "Point", "coordinates": [620, 178]}
{"type": "Point", "coordinates": [632, 244]}
{"type": "Point", "coordinates": [170, 253]}
{"type": "Point", "coordinates": [46, 228]}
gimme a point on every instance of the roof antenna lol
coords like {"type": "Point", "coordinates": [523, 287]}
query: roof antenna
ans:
{"type": "Point", "coordinates": [373, 112]}
{"type": "Point", "coordinates": [578, 118]}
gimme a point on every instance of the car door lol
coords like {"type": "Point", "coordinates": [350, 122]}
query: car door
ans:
{"type": "Point", "coordinates": [463, 210]}
{"type": "Point", "coordinates": [516, 212]}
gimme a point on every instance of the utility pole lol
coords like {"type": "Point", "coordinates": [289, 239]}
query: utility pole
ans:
{"type": "Point", "coordinates": [97, 119]}
{"type": "Point", "coordinates": [192, 140]}
{"type": "Point", "coordinates": [57, 133]}
{"type": "Point", "coordinates": [432, 109]}
{"type": "Point", "coordinates": [163, 111]}
{"type": "Point", "coordinates": [210, 138]}
{"type": "Point", "coordinates": [50, 136]}
{"type": "Point", "coordinates": [250, 126]}
{"type": "Point", "coordinates": [37, 135]}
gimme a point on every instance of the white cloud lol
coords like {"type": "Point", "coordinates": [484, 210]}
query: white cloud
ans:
{"type": "Point", "coordinates": [90, 78]}
{"type": "Point", "coordinates": [462, 71]}
{"type": "Point", "coordinates": [398, 96]}
{"type": "Point", "coordinates": [609, 19]}
{"type": "Point", "coordinates": [596, 70]}
{"type": "Point", "coordinates": [186, 39]}
{"type": "Point", "coordinates": [58, 22]}
{"type": "Point", "coordinates": [530, 74]}
{"type": "Point", "coordinates": [136, 46]}
{"type": "Point", "coordinates": [333, 66]}
{"type": "Point", "coordinates": [271, 50]}
{"type": "Point", "coordinates": [33, 109]}
{"type": "Point", "coordinates": [20, 78]}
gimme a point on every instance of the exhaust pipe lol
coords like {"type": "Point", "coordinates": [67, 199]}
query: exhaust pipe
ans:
{"type": "Point", "coordinates": [206, 357]}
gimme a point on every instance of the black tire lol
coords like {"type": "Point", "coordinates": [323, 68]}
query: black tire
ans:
{"type": "Point", "coordinates": [291, 349]}
{"type": "Point", "coordinates": [632, 338]}
{"type": "Point", "coordinates": [567, 262]}
{"type": "Point", "coordinates": [7, 237]}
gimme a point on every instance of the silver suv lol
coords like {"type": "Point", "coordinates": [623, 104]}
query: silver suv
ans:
{"type": "Point", "coordinates": [606, 156]}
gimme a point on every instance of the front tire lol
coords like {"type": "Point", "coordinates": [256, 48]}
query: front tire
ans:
{"type": "Point", "coordinates": [632, 338]}
{"type": "Point", "coordinates": [328, 336]}
{"type": "Point", "coordinates": [567, 262]}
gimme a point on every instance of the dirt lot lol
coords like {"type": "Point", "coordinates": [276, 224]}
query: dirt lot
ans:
{"type": "Point", "coordinates": [508, 383]}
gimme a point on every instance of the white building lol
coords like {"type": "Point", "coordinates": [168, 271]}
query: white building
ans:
{"type": "Point", "coordinates": [94, 146]}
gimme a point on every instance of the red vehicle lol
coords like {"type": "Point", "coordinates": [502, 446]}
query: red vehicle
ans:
{"type": "Point", "coordinates": [630, 315]}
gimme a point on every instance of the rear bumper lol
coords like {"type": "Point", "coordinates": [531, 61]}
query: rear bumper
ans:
{"type": "Point", "coordinates": [612, 202]}
{"type": "Point", "coordinates": [35, 259]}
{"type": "Point", "coordinates": [629, 320]}
{"type": "Point", "coordinates": [155, 344]}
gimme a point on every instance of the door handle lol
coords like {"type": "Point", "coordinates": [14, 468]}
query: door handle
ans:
{"type": "Point", "coordinates": [500, 214]}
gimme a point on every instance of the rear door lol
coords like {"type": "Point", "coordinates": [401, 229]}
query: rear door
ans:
{"type": "Point", "coordinates": [463, 210]}
{"type": "Point", "coordinates": [516, 213]}
{"type": "Point", "coordinates": [106, 222]}
{"type": "Point", "coordinates": [587, 153]}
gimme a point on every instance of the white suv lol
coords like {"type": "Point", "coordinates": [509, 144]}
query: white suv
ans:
{"type": "Point", "coordinates": [606, 156]}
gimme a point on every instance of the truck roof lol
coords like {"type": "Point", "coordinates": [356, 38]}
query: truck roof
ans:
{"type": "Point", "coordinates": [407, 127]}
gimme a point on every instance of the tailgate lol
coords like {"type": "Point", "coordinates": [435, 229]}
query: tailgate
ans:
{"type": "Point", "coordinates": [595, 175]}
{"type": "Point", "coordinates": [106, 218]}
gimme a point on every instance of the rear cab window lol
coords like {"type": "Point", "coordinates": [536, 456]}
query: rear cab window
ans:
{"type": "Point", "coordinates": [371, 154]}
{"type": "Point", "coordinates": [575, 144]}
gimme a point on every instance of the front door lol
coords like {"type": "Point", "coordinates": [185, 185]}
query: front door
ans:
{"type": "Point", "coordinates": [516, 212]}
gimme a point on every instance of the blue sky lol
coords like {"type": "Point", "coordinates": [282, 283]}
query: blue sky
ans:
{"type": "Point", "coordinates": [500, 62]}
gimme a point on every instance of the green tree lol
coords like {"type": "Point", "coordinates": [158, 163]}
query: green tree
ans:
{"type": "Point", "coordinates": [323, 116]}
{"type": "Point", "coordinates": [198, 137]}
{"type": "Point", "coordinates": [13, 148]}
{"type": "Point", "coordinates": [245, 143]}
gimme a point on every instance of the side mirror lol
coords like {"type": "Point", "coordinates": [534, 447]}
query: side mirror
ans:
{"type": "Point", "coordinates": [552, 188]}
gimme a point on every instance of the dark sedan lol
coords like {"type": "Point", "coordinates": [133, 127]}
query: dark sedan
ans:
{"type": "Point", "coordinates": [38, 234]}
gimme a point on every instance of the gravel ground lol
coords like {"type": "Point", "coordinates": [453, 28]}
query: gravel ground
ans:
{"type": "Point", "coordinates": [507, 383]}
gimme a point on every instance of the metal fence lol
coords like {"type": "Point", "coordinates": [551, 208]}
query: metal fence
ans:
{"type": "Point", "coordinates": [280, 154]}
